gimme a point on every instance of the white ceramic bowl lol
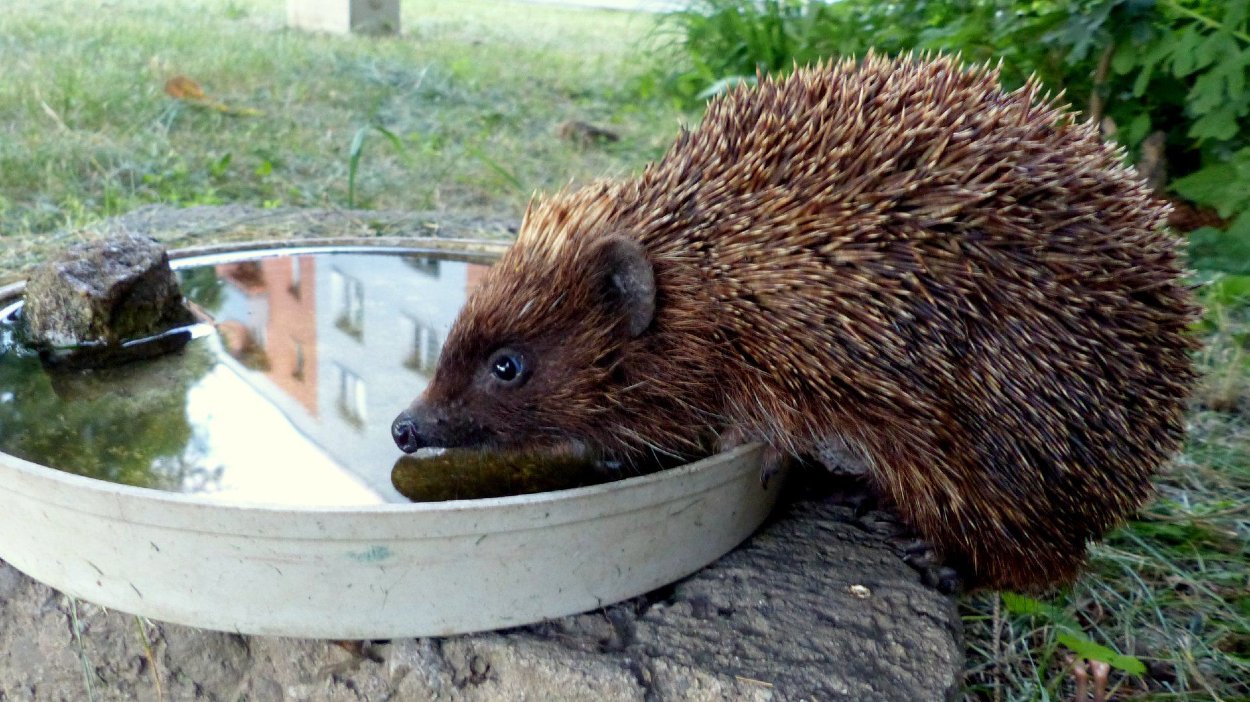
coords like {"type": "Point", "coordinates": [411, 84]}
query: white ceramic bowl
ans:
{"type": "Point", "coordinates": [379, 571]}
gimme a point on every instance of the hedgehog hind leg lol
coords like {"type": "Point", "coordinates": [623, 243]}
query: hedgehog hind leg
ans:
{"type": "Point", "coordinates": [843, 458]}
{"type": "Point", "coordinates": [1028, 569]}
{"type": "Point", "coordinates": [992, 545]}
{"type": "Point", "coordinates": [961, 523]}
{"type": "Point", "coordinates": [914, 549]}
{"type": "Point", "coordinates": [934, 572]}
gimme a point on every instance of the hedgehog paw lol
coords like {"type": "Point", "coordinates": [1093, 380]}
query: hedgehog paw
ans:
{"type": "Point", "coordinates": [772, 462]}
{"type": "Point", "coordinates": [922, 557]}
{"type": "Point", "coordinates": [842, 457]}
{"type": "Point", "coordinates": [873, 520]}
{"type": "Point", "coordinates": [770, 465]}
{"type": "Point", "coordinates": [731, 439]}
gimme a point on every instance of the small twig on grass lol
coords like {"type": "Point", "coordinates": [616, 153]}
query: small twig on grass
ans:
{"type": "Point", "coordinates": [996, 635]}
{"type": "Point", "coordinates": [1097, 100]}
{"type": "Point", "coordinates": [76, 630]}
{"type": "Point", "coordinates": [147, 653]}
{"type": "Point", "coordinates": [1197, 675]}
{"type": "Point", "coordinates": [47, 110]}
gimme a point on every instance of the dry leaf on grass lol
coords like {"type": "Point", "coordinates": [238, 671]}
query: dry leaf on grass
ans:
{"type": "Point", "coordinates": [183, 88]}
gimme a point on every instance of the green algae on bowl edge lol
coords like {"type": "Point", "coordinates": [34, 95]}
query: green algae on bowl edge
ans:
{"type": "Point", "coordinates": [459, 474]}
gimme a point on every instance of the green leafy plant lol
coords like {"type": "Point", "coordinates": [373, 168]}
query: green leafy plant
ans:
{"type": "Point", "coordinates": [1068, 632]}
{"type": "Point", "coordinates": [1166, 78]}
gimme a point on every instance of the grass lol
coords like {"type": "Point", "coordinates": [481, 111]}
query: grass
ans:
{"type": "Point", "coordinates": [472, 95]}
{"type": "Point", "coordinates": [461, 114]}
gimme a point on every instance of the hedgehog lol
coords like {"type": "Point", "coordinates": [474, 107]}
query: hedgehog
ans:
{"type": "Point", "coordinates": [892, 266]}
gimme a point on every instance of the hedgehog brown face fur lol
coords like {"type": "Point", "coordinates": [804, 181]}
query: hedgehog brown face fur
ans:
{"type": "Point", "coordinates": [528, 365]}
{"type": "Point", "coordinates": [962, 288]}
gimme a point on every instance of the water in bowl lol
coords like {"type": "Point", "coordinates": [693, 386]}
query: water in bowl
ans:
{"type": "Point", "coordinates": [287, 401]}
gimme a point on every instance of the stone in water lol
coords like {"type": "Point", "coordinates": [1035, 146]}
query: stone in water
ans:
{"type": "Point", "coordinates": [83, 307]}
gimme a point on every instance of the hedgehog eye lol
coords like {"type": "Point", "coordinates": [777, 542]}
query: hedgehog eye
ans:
{"type": "Point", "coordinates": [507, 367]}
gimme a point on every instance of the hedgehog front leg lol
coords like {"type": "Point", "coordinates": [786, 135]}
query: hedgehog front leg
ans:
{"type": "Point", "coordinates": [772, 461]}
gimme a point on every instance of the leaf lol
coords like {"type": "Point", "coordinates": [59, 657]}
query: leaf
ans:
{"type": "Point", "coordinates": [1125, 58]}
{"type": "Point", "coordinates": [390, 136]}
{"type": "Point", "coordinates": [1085, 648]}
{"type": "Point", "coordinates": [1028, 606]}
{"type": "Point", "coordinates": [221, 166]}
{"type": "Point", "coordinates": [1235, 74]}
{"type": "Point", "coordinates": [1069, 633]}
{"type": "Point", "coordinates": [1235, 14]}
{"type": "Point", "coordinates": [354, 152]}
{"type": "Point", "coordinates": [1224, 250]}
{"type": "Point", "coordinates": [724, 85]}
{"type": "Point", "coordinates": [1228, 290]}
{"type": "Point", "coordinates": [181, 87]}
{"type": "Point", "coordinates": [1213, 47]}
{"type": "Point", "coordinates": [1138, 129]}
{"type": "Point", "coordinates": [1218, 185]}
{"type": "Point", "coordinates": [1219, 125]}
{"type": "Point", "coordinates": [1184, 60]}
{"type": "Point", "coordinates": [1157, 54]}
{"type": "Point", "coordinates": [1207, 93]}
{"type": "Point", "coordinates": [495, 166]}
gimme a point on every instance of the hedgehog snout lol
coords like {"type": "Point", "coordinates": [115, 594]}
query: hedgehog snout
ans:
{"type": "Point", "coordinates": [435, 426]}
{"type": "Point", "coordinates": [405, 433]}
{"type": "Point", "coordinates": [421, 426]}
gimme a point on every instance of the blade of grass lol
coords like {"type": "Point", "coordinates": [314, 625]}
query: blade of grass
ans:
{"type": "Point", "coordinates": [76, 628]}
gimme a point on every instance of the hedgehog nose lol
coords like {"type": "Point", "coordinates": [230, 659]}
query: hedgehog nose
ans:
{"type": "Point", "coordinates": [404, 431]}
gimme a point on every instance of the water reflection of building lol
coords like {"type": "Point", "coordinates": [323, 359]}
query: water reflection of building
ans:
{"type": "Point", "coordinates": [341, 343]}
{"type": "Point", "coordinates": [271, 325]}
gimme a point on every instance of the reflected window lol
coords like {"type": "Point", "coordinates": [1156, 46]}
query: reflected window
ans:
{"type": "Point", "coordinates": [424, 346]}
{"type": "Point", "coordinates": [351, 401]}
{"type": "Point", "coordinates": [296, 288]}
{"type": "Point", "coordinates": [298, 371]}
{"type": "Point", "coordinates": [423, 264]}
{"type": "Point", "coordinates": [348, 299]}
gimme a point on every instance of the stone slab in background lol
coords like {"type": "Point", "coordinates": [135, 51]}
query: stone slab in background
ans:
{"type": "Point", "coordinates": [344, 16]}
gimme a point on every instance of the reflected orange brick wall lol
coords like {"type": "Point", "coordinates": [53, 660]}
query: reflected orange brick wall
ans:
{"type": "Point", "coordinates": [291, 330]}
{"type": "Point", "coordinates": [473, 275]}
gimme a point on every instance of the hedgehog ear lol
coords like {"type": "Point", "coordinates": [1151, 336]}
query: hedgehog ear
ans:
{"type": "Point", "coordinates": [627, 279]}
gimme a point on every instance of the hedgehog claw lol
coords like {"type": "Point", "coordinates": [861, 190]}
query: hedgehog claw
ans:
{"type": "Point", "coordinates": [874, 521]}
{"type": "Point", "coordinates": [770, 465]}
{"type": "Point", "coordinates": [947, 581]}
{"type": "Point", "coordinates": [918, 549]}
{"type": "Point", "coordinates": [921, 556]}
{"type": "Point", "coordinates": [841, 457]}
{"type": "Point", "coordinates": [863, 503]}
{"type": "Point", "coordinates": [771, 462]}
